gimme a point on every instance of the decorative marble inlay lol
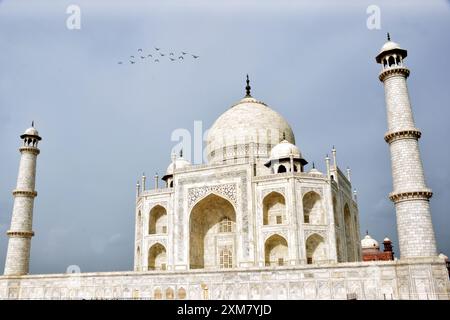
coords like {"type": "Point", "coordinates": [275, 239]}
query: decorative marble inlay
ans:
{"type": "Point", "coordinates": [281, 191]}
{"type": "Point", "coordinates": [227, 190]}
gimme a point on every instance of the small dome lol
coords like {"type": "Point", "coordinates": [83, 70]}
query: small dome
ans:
{"type": "Point", "coordinates": [284, 150]}
{"type": "Point", "coordinates": [386, 239]}
{"type": "Point", "coordinates": [369, 243]}
{"type": "Point", "coordinates": [31, 132]}
{"type": "Point", "coordinates": [179, 164]}
{"type": "Point", "coordinates": [315, 172]}
{"type": "Point", "coordinates": [390, 45]}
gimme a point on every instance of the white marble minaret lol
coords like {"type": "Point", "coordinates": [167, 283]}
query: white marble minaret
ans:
{"type": "Point", "coordinates": [20, 232]}
{"type": "Point", "coordinates": [411, 194]}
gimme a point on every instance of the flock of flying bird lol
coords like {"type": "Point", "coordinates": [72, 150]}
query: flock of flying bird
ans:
{"type": "Point", "coordinates": [158, 55]}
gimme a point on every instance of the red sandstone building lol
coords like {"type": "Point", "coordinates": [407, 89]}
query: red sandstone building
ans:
{"type": "Point", "coordinates": [371, 249]}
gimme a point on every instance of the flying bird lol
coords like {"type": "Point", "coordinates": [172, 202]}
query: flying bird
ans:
{"type": "Point", "coordinates": [171, 53]}
{"type": "Point", "coordinates": [157, 49]}
{"type": "Point", "coordinates": [172, 59]}
{"type": "Point", "coordinates": [195, 57]}
{"type": "Point", "coordinates": [142, 57]}
{"type": "Point", "coordinates": [120, 62]}
{"type": "Point", "coordinates": [156, 60]}
{"type": "Point", "coordinates": [132, 57]}
{"type": "Point", "coordinates": [184, 53]}
{"type": "Point", "coordinates": [149, 55]}
{"type": "Point", "coordinates": [162, 54]}
{"type": "Point", "coordinates": [132, 62]}
{"type": "Point", "coordinates": [181, 57]}
{"type": "Point", "coordinates": [140, 50]}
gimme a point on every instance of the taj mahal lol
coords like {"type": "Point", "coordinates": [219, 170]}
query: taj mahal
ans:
{"type": "Point", "coordinates": [256, 221]}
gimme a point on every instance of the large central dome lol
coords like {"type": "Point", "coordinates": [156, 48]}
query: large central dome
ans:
{"type": "Point", "coordinates": [248, 127]}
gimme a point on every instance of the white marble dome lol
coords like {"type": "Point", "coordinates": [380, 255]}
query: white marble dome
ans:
{"type": "Point", "coordinates": [390, 45]}
{"type": "Point", "coordinates": [31, 132]}
{"type": "Point", "coordinates": [369, 243]}
{"type": "Point", "coordinates": [248, 121]}
{"type": "Point", "coordinates": [284, 150]}
{"type": "Point", "coordinates": [180, 163]}
{"type": "Point", "coordinates": [315, 172]}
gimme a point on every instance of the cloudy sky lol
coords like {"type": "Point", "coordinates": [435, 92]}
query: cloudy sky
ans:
{"type": "Point", "coordinates": [103, 124]}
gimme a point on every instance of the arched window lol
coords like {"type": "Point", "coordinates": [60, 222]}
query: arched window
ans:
{"type": "Point", "coordinates": [181, 294]}
{"type": "Point", "coordinates": [169, 294]}
{"type": "Point", "coordinates": [274, 209]}
{"type": "Point", "coordinates": [157, 294]}
{"type": "Point", "coordinates": [391, 61]}
{"type": "Point", "coordinates": [281, 168]}
{"type": "Point", "coordinates": [226, 258]}
{"type": "Point", "coordinates": [157, 220]}
{"type": "Point", "coordinates": [313, 212]}
{"type": "Point", "coordinates": [276, 251]}
{"type": "Point", "coordinates": [226, 225]}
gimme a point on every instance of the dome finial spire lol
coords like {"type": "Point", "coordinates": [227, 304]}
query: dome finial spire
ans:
{"type": "Point", "coordinates": [388, 36]}
{"type": "Point", "coordinates": [248, 88]}
{"type": "Point", "coordinates": [181, 153]}
{"type": "Point", "coordinates": [32, 123]}
{"type": "Point", "coordinates": [284, 135]}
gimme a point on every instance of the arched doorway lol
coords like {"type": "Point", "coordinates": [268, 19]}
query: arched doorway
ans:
{"type": "Point", "coordinates": [315, 249]}
{"type": "Point", "coordinates": [157, 259]}
{"type": "Point", "coordinates": [212, 233]}
{"type": "Point", "coordinates": [274, 209]}
{"type": "Point", "coordinates": [276, 251]}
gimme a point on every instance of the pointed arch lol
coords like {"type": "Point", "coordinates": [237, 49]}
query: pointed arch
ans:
{"type": "Point", "coordinates": [276, 251]}
{"type": "Point", "coordinates": [157, 258]}
{"type": "Point", "coordinates": [181, 293]}
{"type": "Point", "coordinates": [206, 221]}
{"type": "Point", "coordinates": [157, 220]}
{"type": "Point", "coordinates": [313, 212]}
{"type": "Point", "coordinates": [157, 294]}
{"type": "Point", "coordinates": [170, 294]}
{"type": "Point", "coordinates": [274, 209]}
{"type": "Point", "coordinates": [315, 249]}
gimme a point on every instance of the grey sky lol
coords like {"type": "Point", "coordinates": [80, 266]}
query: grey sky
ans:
{"type": "Point", "coordinates": [103, 124]}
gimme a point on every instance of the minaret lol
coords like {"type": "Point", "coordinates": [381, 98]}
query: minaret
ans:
{"type": "Point", "coordinates": [410, 195]}
{"type": "Point", "coordinates": [20, 232]}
